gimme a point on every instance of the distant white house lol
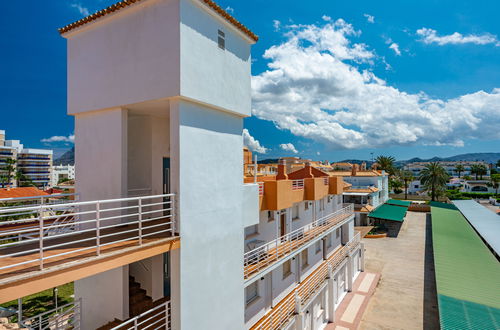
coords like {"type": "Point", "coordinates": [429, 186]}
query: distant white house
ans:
{"type": "Point", "coordinates": [60, 172]}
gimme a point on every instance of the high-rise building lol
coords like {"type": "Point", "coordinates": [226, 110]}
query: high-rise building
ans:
{"type": "Point", "coordinates": [30, 167]}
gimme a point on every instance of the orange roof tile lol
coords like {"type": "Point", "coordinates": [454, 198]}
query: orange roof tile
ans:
{"type": "Point", "coordinates": [126, 3]}
{"type": "Point", "coordinates": [21, 192]}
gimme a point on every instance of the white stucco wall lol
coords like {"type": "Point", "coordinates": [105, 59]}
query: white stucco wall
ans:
{"type": "Point", "coordinates": [250, 204]}
{"type": "Point", "coordinates": [104, 297]}
{"type": "Point", "coordinates": [101, 136]}
{"type": "Point", "coordinates": [208, 73]}
{"type": "Point", "coordinates": [204, 141]}
{"type": "Point", "coordinates": [128, 57]}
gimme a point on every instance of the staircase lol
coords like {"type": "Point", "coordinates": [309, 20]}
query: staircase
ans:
{"type": "Point", "coordinates": [139, 301]}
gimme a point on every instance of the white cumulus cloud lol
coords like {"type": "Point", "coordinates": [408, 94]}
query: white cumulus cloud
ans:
{"type": "Point", "coordinates": [252, 143]}
{"type": "Point", "coordinates": [289, 147]}
{"type": "Point", "coordinates": [59, 138]}
{"type": "Point", "coordinates": [369, 18]}
{"type": "Point", "coordinates": [81, 9]}
{"type": "Point", "coordinates": [395, 47]}
{"type": "Point", "coordinates": [230, 9]}
{"type": "Point", "coordinates": [276, 25]}
{"type": "Point", "coordinates": [430, 36]}
{"type": "Point", "coordinates": [318, 85]}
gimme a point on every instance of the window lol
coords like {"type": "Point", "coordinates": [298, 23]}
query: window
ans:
{"type": "Point", "coordinates": [252, 292]}
{"type": "Point", "coordinates": [287, 269]}
{"type": "Point", "coordinates": [295, 212]}
{"type": "Point", "coordinates": [270, 216]}
{"type": "Point", "coordinates": [306, 205]}
{"type": "Point", "coordinates": [304, 261]}
{"type": "Point", "coordinates": [251, 230]}
{"type": "Point", "coordinates": [221, 40]}
{"type": "Point", "coordinates": [318, 247]}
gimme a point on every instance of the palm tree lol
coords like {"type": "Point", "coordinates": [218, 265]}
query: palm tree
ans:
{"type": "Point", "coordinates": [482, 170]}
{"type": "Point", "coordinates": [9, 168]}
{"type": "Point", "coordinates": [434, 178]}
{"type": "Point", "coordinates": [474, 169]}
{"type": "Point", "coordinates": [407, 178]}
{"type": "Point", "coordinates": [459, 169]}
{"type": "Point", "coordinates": [495, 182]}
{"type": "Point", "coordinates": [395, 185]}
{"type": "Point", "coordinates": [386, 163]}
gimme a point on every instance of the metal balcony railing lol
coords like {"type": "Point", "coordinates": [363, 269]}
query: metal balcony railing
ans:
{"type": "Point", "coordinates": [298, 184]}
{"type": "Point", "coordinates": [156, 318]}
{"type": "Point", "coordinates": [67, 316]}
{"type": "Point", "coordinates": [52, 234]}
{"type": "Point", "coordinates": [326, 181]}
{"type": "Point", "coordinates": [280, 315]}
{"type": "Point", "coordinates": [265, 255]}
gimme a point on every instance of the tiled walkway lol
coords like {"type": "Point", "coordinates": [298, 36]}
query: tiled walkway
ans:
{"type": "Point", "coordinates": [348, 314]}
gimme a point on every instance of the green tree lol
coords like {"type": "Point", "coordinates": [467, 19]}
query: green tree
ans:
{"type": "Point", "coordinates": [474, 169]}
{"type": "Point", "coordinates": [495, 182]}
{"type": "Point", "coordinates": [459, 169]}
{"type": "Point", "coordinates": [498, 163]}
{"type": "Point", "coordinates": [9, 168]}
{"type": "Point", "coordinates": [406, 178]}
{"type": "Point", "coordinates": [434, 179]}
{"type": "Point", "coordinates": [482, 170]}
{"type": "Point", "coordinates": [396, 185]}
{"type": "Point", "coordinates": [386, 163]}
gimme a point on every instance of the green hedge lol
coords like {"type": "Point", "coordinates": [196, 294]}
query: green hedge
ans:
{"type": "Point", "coordinates": [455, 194]}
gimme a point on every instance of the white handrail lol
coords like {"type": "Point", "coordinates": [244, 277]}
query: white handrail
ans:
{"type": "Point", "coordinates": [63, 317]}
{"type": "Point", "coordinates": [266, 254]}
{"type": "Point", "coordinates": [280, 315]}
{"type": "Point", "coordinates": [155, 318]}
{"type": "Point", "coordinates": [35, 234]}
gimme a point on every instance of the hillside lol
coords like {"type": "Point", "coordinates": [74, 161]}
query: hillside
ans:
{"type": "Point", "coordinates": [68, 158]}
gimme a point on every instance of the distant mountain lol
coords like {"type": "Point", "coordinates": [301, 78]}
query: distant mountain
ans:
{"type": "Point", "coordinates": [488, 157]}
{"type": "Point", "coordinates": [68, 158]}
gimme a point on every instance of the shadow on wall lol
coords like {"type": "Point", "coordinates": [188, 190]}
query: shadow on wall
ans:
{"type": "Point", "coordinates": [431, 313]}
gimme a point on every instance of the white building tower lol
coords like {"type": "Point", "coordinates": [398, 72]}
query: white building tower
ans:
{"type": "Point", "coordinates": [159, 90]}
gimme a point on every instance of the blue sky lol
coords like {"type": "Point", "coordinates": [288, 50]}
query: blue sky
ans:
{"type": "Point", "coordinates": [340, 76]}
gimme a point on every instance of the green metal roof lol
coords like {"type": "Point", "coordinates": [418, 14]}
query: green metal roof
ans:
{"type": "Point", "coordinates": [467, 273]}
{"type": "Point", "coordinates": [398, 202]}
{"type": "Point", "coordinates": [389, 212]}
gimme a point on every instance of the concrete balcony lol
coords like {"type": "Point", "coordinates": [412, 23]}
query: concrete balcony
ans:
{"type": "Point", "coordinates": [46, 245]}
{"type": "Point", "coordinates": [263, 259]}
{"type": "Point", "coordinates": [290, 306]}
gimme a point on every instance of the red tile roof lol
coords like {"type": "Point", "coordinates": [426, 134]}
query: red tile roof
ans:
{"type": "Point", "coordinates": [21, 192]}
{"type": "Point", "coordinates": [126, 3]}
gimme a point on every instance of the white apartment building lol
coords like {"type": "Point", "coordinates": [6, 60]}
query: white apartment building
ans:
{"type": "Point", "coordinates": [34, 164]}
{"type": "Point", "coordinates": [302, 255]}
{"type": "Point", "coordinates": [366, 189]}
{"type": "Point", "coordinates": [449, 167]}
{"type": "Point", "coordinates": [60, 172]}
{"type": "Point", "coordinates": [166, 231]}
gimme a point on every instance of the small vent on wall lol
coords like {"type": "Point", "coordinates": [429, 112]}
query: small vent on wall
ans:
{"type": "Point", "coordinates": [221, 40]}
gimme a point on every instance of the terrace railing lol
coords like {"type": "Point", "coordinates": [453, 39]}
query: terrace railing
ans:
{"type": "Point", "coordinates": [37, 235]}
{"type": "Point", "coordinates": [155, 318]}
{"type": "Point", "coordinates": [261, 188]}
{"type": "Point", "coordinates": [63, 317]}
{"type": "Point", "coordinates": [280, 315]}
{"type": "Point", "coordinates": [265, 255]}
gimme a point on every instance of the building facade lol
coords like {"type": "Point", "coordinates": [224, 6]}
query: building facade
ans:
{"type": "Point", "coordinates": [449, 166]}
{"type": "Point", "coordinates": [29, 167]}
{"type": "Point", "coordinates": [167, 231]}
{"type": "Point", "coordinates": [62, 172]}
